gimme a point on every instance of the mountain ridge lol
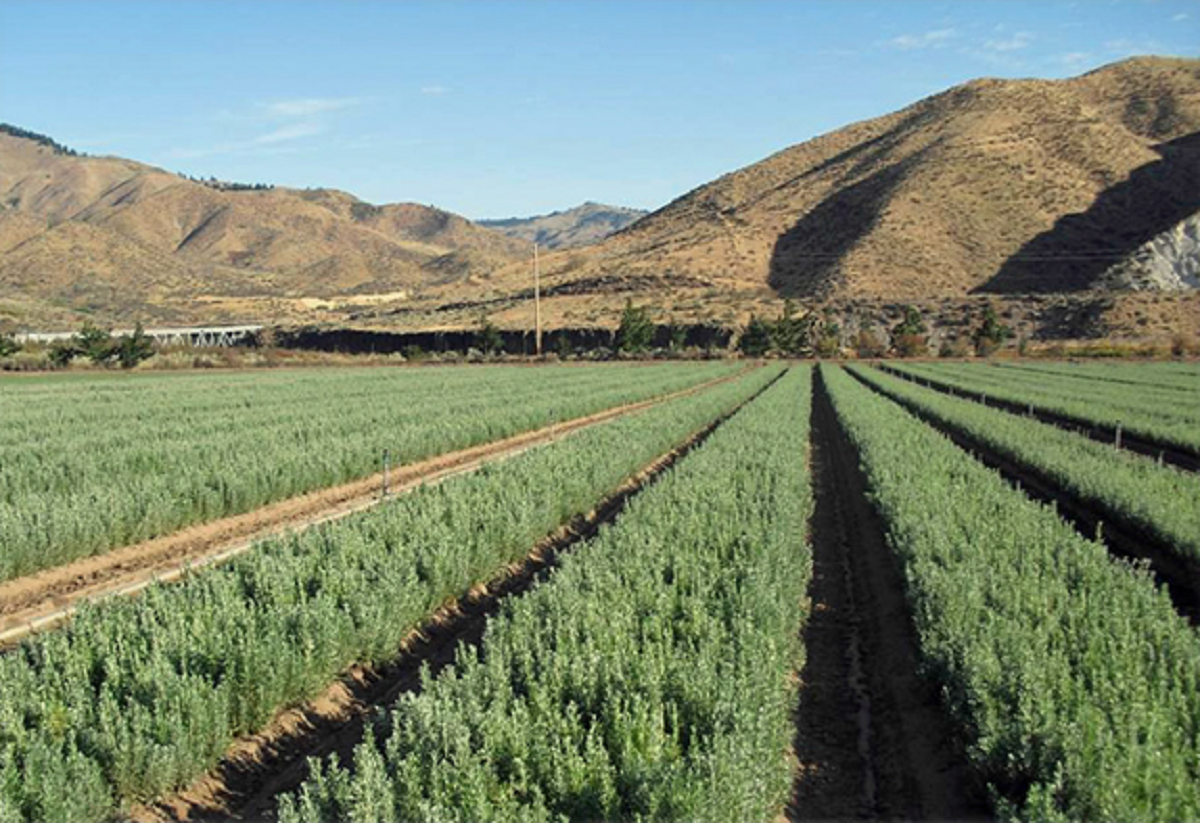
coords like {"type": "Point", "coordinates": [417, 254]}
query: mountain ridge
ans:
{"type": "Point", "coordinates": [585, 224]}
{"type": "Point", "coordinates": [990, 187]}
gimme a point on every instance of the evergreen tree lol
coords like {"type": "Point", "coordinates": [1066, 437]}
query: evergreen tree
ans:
{"type": "Point", "coordinates": [991, 333]}
{"type": "Point", "coordinates": [488, 336]}
{"type": "Point", "coordinates": [909, 335]}
{"type": "Point", "coordinates": [787, 335]}
{"type": "Point", "coordinates": [95, 343]}
{"type": "Point", "coordinates": [756, 339]}
{"type": "Point", "coordinates": [636, 332]}
{"type": "Point", "coordinates": [132, 349]}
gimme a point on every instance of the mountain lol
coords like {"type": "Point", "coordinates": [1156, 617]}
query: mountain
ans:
{"type": "Point", "coordinates": [122, 240]}
{"type": "Point", "coordinates": [1028, 190]}
{"type": "Point", "coordinates": [581, 226]}
{"type": "Point", "coordinates": [990, 187]}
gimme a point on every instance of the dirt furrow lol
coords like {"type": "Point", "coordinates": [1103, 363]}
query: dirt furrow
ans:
{"type": "Point", "coordinates": [41, 601]}
{"type": "Point", "coordinates": [871, 739]}
{"type": "Point", "coordinates": [259, 768]}
{"type": "Point", "coordinates": [1122, 539]}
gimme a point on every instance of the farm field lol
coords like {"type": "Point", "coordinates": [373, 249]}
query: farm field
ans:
{"type": "Point", "coordinates": [89, 464]}
{"type": "Point", "coordinates": [802, 592]}
{"type": "Point", "coordinates": [1164, 415]}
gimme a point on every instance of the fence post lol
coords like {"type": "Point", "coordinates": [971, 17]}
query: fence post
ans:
{"type": "Point", "coordinates": [385, 473]}
{"type": "Point", "coordinates": [1117, 442]}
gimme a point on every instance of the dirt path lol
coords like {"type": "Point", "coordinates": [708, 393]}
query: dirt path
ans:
{"type": "Point", "coordinates": [1124, 540]}
{"type": "Point", "coordinates": [41, 601]}
{"type": "Point", "coordinates": [871, 738]}
{"type": "Point", "coordinates": [259, 768]}
{"type": "Point", "coordinates": [1172, 453]}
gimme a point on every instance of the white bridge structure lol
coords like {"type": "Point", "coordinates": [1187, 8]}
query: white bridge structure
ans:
{"type": "Point", "coordinates": [198, 336]}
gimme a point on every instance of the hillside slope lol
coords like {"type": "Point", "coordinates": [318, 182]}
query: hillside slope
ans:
{"type": "Point", "coordinates": [581, 226]}
{"type": "Point", "coordinates": [121, 239]}
{"type": "Point", "coordinates": [1003, 186]}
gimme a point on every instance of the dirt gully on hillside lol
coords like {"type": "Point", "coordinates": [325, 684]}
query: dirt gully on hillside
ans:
{"type": "Point", "coordinates": [871, 738]}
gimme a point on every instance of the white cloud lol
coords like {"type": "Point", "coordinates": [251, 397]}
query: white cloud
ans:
{"type": "Point", "coordinates": [268, 143]}
{"type": "Point", "coordinates": [292, 132]}
{"type": "Point", "coordinates": [307, 107]}
{"type": "Point", "coordinates": [1016, 42]}
{"type": "Point", "coordinates": [434, 91]}
{"type": "Point", "coordinates": [928, 39]}
{"type": "Point", "coordinates": [1179, 18]}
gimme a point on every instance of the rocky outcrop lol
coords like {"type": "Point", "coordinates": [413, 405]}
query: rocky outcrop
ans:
{"type": "Point", "coordinates": [1169, 262]}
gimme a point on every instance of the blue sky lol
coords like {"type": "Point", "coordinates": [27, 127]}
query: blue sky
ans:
{"type": "Point", "coordinates": [493, 109]}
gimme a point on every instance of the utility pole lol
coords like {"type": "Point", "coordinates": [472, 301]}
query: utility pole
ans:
{"type": "Point", "coordinates": [537, 303]}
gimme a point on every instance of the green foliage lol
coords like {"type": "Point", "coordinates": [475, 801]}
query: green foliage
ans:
{"type": "Point", "coordinates": [1166, 413]}
{"type": "Point", "coordinates": [93, 463]}
{"type": "Point", "coordinates": [57, 148]}
{"type": "Point", "coordinates": [650, 678]}
{"type": "Point", "coordinates": [677, 336]}
{"type": "Point", "coordinates": [96, 344]}
{"type": "Point", "coordinates": [488, 337]}
{"type": "Point", "coordinates": [756, 339]}
{"type": "Point", "coordinates": [8, 346]}
{"type": "Point", "coordinates": [829, 340]}
{"type": "Point", "coordinates": [909, 336]}
{"type": "Point", "coordinates": [1070, 676]}
{"type": "Point", "coordinates": [132, 349]}
{"type": "Point", "coordinates": [62, 352]}
{"type": "Point", "coordinates": [991, 333]}
{"type": "Point", "coordinates": [141, 695]}
{"type": "Point", "coordinates": [788, 333]}
{"type": "Point", "coordinates": [1161, 500]}
{"type": "Point", "coordinates": [636, 332]}
{"type": "Point", "coordinates": [912, 323]}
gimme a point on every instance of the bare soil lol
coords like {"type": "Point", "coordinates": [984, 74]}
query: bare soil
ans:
{"type": "Point", "coordinates": [44, 599]}
{"type": "Point", "coordinates": [259, 768]}
{"type": "Point", "coordinates": [871, 739]}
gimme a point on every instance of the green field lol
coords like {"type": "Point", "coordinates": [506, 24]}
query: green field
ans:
{"type": "Point", "coordinates": [658, 667]}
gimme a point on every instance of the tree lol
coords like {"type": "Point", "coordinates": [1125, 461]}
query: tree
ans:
{"type": "Point", "coordinates": [132, 349]}
{"type": "Point", "coordinates": [8, 346]}
{"type": "Point", "coordinates": [829, 343]}
{"type": "Point", "coordinates": [787, 335]}
{"type": "Point", "coordinates": [909, 335]}
{"type": "Point", "coordinates": [678, 336]}
{"type": "Point", "coordinates": [95, 343]}
{"type": "Point", "coordinates": [991, 333]}
{"type": "Point", "coordinates": [488, 336]}
{"type": "Point", "coordinates": [756, 339]}
{"type": "Point", "coordinates": [868, 344]}
{"type": "Point", "coordinates": [62, 352]}
{"type": "Point", "coordinates": [636, 332]}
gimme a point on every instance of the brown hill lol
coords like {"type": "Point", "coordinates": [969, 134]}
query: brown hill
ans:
{"type": "Point", "coordinates": [124, 240]}
{"type": "Point", "coordinates": [992, 186]}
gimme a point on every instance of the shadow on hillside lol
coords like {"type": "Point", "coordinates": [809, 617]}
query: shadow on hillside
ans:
{"type": "Point", "coordinates": [806, 259]}
{"type": "Point", "coordinates": [1080, 247]}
